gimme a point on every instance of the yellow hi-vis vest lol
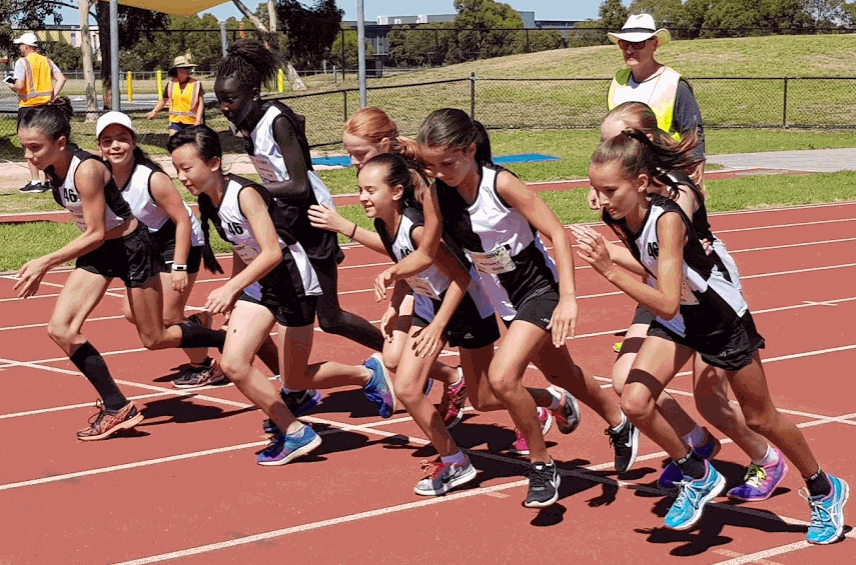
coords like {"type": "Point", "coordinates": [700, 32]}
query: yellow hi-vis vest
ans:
{"type": "Point", "coordinates": [38, 88]}
{"type": "Point", "coordinates": [182, 103]}
{"type": "Point", "coordinates": [658, 92]}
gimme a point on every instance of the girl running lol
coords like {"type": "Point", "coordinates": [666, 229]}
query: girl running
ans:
{"type": "Point", "coordinates": [272, 283]}
{"type": "Point", "coordinates": [699, 308]}
{"type": "Point", "coordinates": [112, 244]}
{"type": "Point", "coordinates": [493, 217]}
{"type": "Point", "coordinates": [155, 201]}
{"type": "Point", "coordinates": [448, 308]}
{"type": "Point", "coordinates": [767, 468]}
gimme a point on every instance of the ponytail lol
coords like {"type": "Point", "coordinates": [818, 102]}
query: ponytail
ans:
{"type": "Point", "coordinates": [207, 211]}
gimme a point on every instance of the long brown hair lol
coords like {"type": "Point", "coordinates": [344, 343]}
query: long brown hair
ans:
{"type": "Point", "coordinates": [374, 125]}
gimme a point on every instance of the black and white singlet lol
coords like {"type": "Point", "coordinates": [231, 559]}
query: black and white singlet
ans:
{"type": "Point", "coordinates": [138, 193]}
{"type": "Point", "coordinates": [267, 159]}
{"type": "Point", "coordinates": [234, 227]}
{"type": "Point", "coordinates": [429, 286]}
{"type": "Point", "coordinates": [504, 248]}
{"type": "Point", "coordinates": [710, 301]}
{"type": "Point", "coordinates": [117, 210]}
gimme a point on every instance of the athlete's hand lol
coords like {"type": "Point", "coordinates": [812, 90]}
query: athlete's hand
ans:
{"type": "Point", "coordinates": [593, 249]}
{"type": "Point", "coordinates": [151, 115]}
{"type": "Point", "coordinates": [428, 340]}
{"type": "Point", "coordinates": [388, 323]}
{"type": "Point", "coordinates": [707, 245]}
{"type": "Point", "coordinates": [222, 299]}
{"type": "Point", "coordinates": [179, 280]}
{"type": "Point", "coordinates": [592, 200]}
{"type": "Point", "coordinates": [382, 281]}
{"type": "Point", "coordinates": [327, 218]}
{"type": "Point", "coordinates": [30, 276]}
{"type": "Point", "coordinates": [563, 323]}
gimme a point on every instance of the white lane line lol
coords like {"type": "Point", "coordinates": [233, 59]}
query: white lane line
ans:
{"type": "Point", "coordinates": [793, 225]}
{"type": "Point", "coordinates": [760, 556]}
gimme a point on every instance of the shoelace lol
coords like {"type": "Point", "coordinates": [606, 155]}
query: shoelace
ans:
{"type": "Point", "coordinates": [539, 478]}
{"type": "Point", "coordinates": [613, 436]}
{"type": "Point", "coordinates": [755, 475]}
{"type": "Point", "coordinates": [274, 441]}
{"type": "Point", "coordinates": [819, 514]}
{"type": "Point", "coordinates": [432, 469]}
{"type": "Point", "coordinates": [95, 420]}
{"type": "Point", "coordinates": [686, 494]}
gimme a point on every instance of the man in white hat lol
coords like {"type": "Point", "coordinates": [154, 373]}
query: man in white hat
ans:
{"type": "Point", "coordinates": [184, 96]}
{"type": "Point", "coordinates": [37, 81]}
{"type": "Point", "coordinates": [646, 80]}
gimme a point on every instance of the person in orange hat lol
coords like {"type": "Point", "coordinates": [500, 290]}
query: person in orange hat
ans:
{"type": "Point", "coordinates": [184, 96]}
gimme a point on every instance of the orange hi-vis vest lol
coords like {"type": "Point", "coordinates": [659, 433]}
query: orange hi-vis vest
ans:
{"type": "Point", "coordinates": [659, 92]}
{"type": "Point", "coordinates": [38, 88]}
{"type": "Point", "coordinates": [182, 103]}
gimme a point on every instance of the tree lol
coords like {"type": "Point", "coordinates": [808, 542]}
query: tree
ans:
{"type": "Point", "coordinates": [16, 15]}
{"type": "Point", "coordinates": [66, 57]}
{"type": "Point", "coordinates": [482, 40]}
{"type": "Point", "coordinates": [272, 44]}
{"type": "Point", "coordinates": [664, 12]}
{"type": "Point", "coordinates": [612, 15]}
{"type": "Point", "coordinates": [421, 45]}
{"type": "Point", "coordinates": [351, 49]}
{"type": "Point", "coordinates": [308, 33]}
{"type": "Point", "coordinates": [825, 13]}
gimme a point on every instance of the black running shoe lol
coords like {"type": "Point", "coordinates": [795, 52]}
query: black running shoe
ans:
{"type": "Point", "coordinates": [625, 442]}
{"type": "Point", "coordinates": [299, 402]}
{"type": "Point", "coordinates": [33, 187]}
{"type": "Point", "coordinates": [543, 485]}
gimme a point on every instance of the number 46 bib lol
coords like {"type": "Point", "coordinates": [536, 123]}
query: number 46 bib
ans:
{"type": "Point", "coordinates": [493, 262]}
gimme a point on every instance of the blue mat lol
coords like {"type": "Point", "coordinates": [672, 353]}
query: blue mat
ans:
{"type": "Point", "coordinates": [345, 161]}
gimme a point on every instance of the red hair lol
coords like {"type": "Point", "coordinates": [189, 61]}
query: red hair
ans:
{"type": "Point", "coordinates": [373, 125]}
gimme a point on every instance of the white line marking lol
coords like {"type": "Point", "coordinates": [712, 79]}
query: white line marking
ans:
{"type": "Point", "coordinates": [782, 549]}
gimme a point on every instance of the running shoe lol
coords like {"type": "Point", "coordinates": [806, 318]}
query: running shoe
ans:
{"type": "Point", "coordinates": [299, 402]}
{"type": "Point", "coordinates": [34, 187]}
{"type": "Point", "coordinates": [106, 423]}
{"type": "Point", "coordinates": [761, 480]}
{"type": "Point", "coordinates": [625, 442]}
{"type": "Point", "coordinates": [285, 447]}
{"type": "Point", "coordinates": [451, 407]}
{"type": "Point", "coordinates": [567, 415]}
{"type": "Point", "coordinates": [195, 377]}
{"type": "Point", "coordinates": [544, 483]}
{"type": "Point", "coordinates": [520, 447]}
{"type": "Point", "coordinates": [693, 495]}
{"type": "Point", "coordinates": [442, 477]}
{"type": "Point", "coordinates": [617, 346]}
{"type": "Point", "coordinates": [672, 475]}
{"type": "Point", "coordinates": [379, 388]}
{"type": "Point", "coordinates": [827, 512]}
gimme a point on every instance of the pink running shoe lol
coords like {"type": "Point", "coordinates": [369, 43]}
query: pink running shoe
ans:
{"type": "Point", "coordinates": [761, 480]}
{"type": "Point", "coordinates": [520, 447]}
{"type": "Point", "coordinates": [451, 407]}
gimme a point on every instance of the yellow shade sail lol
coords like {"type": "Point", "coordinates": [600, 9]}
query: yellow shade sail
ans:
{"type": "Point", "coordinates": [177, 7]}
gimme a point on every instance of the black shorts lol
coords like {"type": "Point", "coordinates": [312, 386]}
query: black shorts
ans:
{"type": "Point", "coordinates": [537, 309]}
{"type": "Point", "coordinates": [134, 258]}
{"type": "Point", "coordinates": [293, 314]}
{"type": "Point", "coordinates": [730, 349]}
{"type": "Point", "coordinates": [164, 239]}
{"type": "Point", "coordinates": [642, 316]}
{"type": "Point", "coordinates": [466, 330]}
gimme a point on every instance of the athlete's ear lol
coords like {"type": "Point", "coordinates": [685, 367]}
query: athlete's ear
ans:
{"type": "Point", "coordinates": [62, 142]}
{"type": "Point", "coordinates": [215, 164]}
{"type": "Point", "coordinates": [257, 92]}
{"type": "Point", "coordinates": [643, 182]}
{"type": "Point", "coordinates": [386, 145]}
{"type": "Point", "coordinates": [470, 151]}
{"type": "Point", "coordinates": [398, 192]}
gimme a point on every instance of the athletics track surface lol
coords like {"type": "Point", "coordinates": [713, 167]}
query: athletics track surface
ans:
{"type": "Point", "coordinates": [183, 487]}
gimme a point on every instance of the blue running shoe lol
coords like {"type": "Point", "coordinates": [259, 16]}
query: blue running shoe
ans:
{"type": "Point", "coordinates": [379, 388]}
{"type": "Point", "coordinates": [694, 494]}
{"type": "Point", "coordinates": [299, 402]}
{"type": "Point", "coordinates": [672, 475]}
{"type": "Point", "coordinates": [827, 513]}
{"type": "Point", "coordinates": [285, 447]}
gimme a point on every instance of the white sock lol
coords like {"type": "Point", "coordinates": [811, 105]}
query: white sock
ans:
{"type": "Point", "coordinates": [457, 458]}
{"type": "Point", "coordinates": [696, 437]}
{"type": "Point", "coordinates": [621, 425]}
{"type": "Point", "coordinates": [770, 457]}
{"type": "Point", "coordinates": [557, 398]}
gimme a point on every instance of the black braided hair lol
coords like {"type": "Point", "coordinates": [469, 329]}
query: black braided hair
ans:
{"type": "Point", "coordinates": [252, 63]}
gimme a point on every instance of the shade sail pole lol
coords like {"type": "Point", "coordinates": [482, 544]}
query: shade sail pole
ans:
{"type": "Point", "coordinates": [114, 56]}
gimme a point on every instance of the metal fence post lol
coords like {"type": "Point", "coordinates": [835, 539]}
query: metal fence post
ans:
{"type": "Point", "coordinates": [344, 105]}
{"type": "Point", "coordinates": [472, 96]}
{"type": "Point", "coordinates": [344, 64]}
{"type": "Point", "coordinates": [785, 106]}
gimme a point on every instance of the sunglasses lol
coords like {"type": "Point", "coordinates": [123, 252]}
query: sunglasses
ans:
{"type": "Point", "coordinates": [635, 44]}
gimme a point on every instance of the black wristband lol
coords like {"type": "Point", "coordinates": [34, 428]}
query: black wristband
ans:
{"type": "Point", "coordinates": [353, 233]}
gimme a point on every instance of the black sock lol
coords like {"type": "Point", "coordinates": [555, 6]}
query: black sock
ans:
{"type": "Point", "coordinates": [89, 362]}
{"type": "Point", "coordinates": [194, 335]}
{"type": "Point", "coordinates": [692, 465]}
{"type": "Point", "coordinates": [818, 484]}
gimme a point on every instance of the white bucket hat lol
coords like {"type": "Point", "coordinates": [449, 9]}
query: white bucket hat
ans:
{"type": "Point", "coordinates": [28, 38]}
{"type": "Point", "coordinates": [111, 118]}
{"type": "Point", "coordinates": [640, 28]}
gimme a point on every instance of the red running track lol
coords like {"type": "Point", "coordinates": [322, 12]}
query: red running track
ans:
{"type": "Point", "coordinates": [184, 488]}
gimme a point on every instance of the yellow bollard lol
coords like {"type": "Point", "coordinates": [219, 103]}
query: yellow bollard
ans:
{"type": "Point", "coordinates": [130, 87]}
{"type": "Point", "coordinates": [280, 80]}
{"type": "Point", "coordinates": [159, 77]}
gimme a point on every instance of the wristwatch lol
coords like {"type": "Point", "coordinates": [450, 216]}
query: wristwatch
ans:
{"type": "Point", "coordinates": [177, 267]}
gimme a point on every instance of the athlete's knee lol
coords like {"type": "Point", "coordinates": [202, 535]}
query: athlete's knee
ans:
{"type": "Point", "coordinates": [153, 340]}
{"type": "Point", "coordinates": [762, 422]}
{"type": "Point", "coordinates": [408, 393]}
{"type": "Point", "coordinates": [60, 333]}
{"type": "Point", "coordinates": [173, 318]}
{"type": "Point", "coordinates": [637, 404]}
{"type": "Point", "coordinates": [236, 370]}
{"type": "Point", "coordinates": [484, 403]}
{"type": "Point", "coordinates": [129, 315]}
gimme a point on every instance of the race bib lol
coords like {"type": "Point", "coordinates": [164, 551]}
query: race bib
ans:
{"type": "Point", "coordinates": [265, 168]}
{"type": "Point", "coordinates": [245, 252]}
{"type": "Point", "coordinates": [423, 287]}
{"type": "Point", "coordinates": [493, 262]}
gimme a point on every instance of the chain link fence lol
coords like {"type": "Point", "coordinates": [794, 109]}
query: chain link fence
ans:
{"type": "Point", "coordinates": [501, 103]}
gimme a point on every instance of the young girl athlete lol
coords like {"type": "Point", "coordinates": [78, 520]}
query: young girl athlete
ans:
{"type": "Point", "coordinates": [491, 215]}
{"type": "Point", "coordinates": [275, 140]}
{"type": "Point", "coordinates": [699, 308]}
{"type": "Point", "coordinates": [368, 133]}
{"type": "Point", "coordinates": [449, 307]}
{"type": "Point", "coordinates": [272, 282]}
{"type": "Point", "coordinates": [767, 469]}
{"type": "Point", "coordinates": [155, 201]}
{"type": "Point", "coordinates": [112, 244]}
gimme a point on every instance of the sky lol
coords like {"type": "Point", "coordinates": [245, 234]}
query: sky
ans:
{"type": "Point", "coordinates": [544, 9]}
